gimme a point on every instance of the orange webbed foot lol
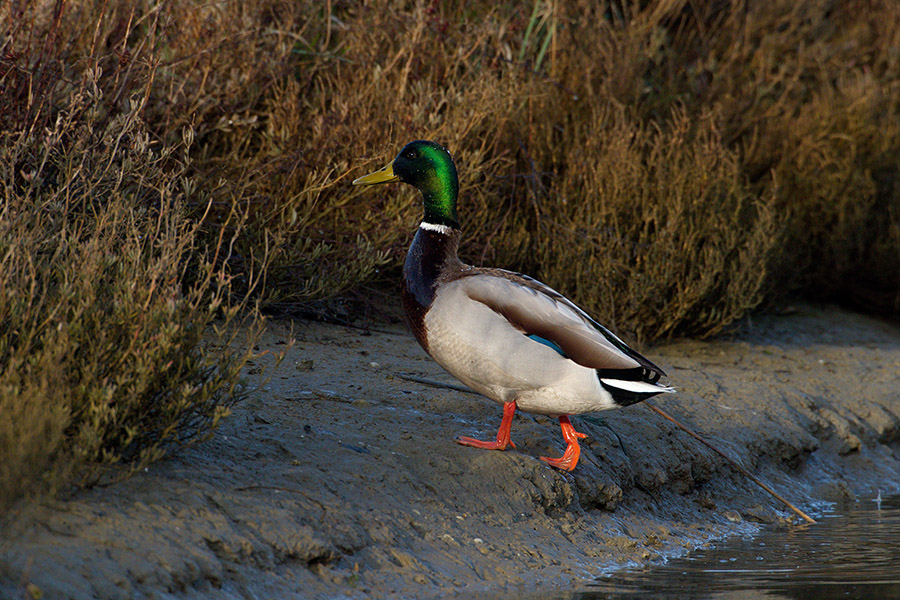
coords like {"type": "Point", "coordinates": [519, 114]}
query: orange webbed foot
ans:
{"type": "Point", "coordinates": [497, 445]}
{"type": "Point", "coordinates": [569, 459]}
{"type": "Point", "coordinates": [509, 409]}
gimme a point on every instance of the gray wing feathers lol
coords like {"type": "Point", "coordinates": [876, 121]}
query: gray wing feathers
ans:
{"type": "Point", "coordinates": [609, 335]}
{"type": "Point", "coordinates": [534, 308]}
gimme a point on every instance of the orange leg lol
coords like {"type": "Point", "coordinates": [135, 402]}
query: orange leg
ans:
{"type": "Point", "coordinates": [568, 460]}
{"type": "Point", "coordinates": [509, 409]}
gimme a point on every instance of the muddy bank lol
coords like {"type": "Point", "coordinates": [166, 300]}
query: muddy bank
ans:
{"type": "Point", "coordinates": [341, 479]}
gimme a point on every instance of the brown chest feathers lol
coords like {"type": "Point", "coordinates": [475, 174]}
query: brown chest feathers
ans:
{"type": "Point", "coordinates": [431, 256]}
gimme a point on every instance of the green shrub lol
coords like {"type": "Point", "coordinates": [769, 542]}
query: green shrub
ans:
{"type": "Point", "coordinates": [117, 331]}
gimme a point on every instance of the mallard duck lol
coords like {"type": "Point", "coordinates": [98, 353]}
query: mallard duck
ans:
{"type": "Point", "coordinates": [503, 334]}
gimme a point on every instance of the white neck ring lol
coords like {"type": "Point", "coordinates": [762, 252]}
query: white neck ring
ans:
{"type": "Point", "coordinates": [444, 229]}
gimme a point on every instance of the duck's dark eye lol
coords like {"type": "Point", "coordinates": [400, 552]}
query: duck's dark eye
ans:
{"type": "Point", "coordinates": [411, 154]}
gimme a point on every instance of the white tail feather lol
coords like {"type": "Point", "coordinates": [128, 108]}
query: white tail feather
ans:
{"type": "Point", "coordinates": [637, 386]}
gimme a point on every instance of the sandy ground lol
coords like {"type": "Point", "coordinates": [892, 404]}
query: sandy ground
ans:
{"type": "Point", "coordinates": [340, 479]}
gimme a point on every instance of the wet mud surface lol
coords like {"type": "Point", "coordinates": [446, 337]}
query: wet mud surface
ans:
{"type": "Point", "coordinates": [339, 478]}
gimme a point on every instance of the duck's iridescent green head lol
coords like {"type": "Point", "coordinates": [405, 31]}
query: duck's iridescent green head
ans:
{"type": "Point", "coordinates": [428, 167]}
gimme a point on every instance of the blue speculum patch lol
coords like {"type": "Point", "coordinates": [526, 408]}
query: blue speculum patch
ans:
{"type": "Point", "coordinates": [548, 343]}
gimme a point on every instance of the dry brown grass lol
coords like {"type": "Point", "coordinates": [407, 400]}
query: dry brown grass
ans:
{"type": "Point", "coordinates": [670, 164]}
{"type": "Point", "coordinates": [667, 244]}
{"type": "Point", "coordinates": [289, 100]}
{"type": "Point", "coordinates": [800, 99]}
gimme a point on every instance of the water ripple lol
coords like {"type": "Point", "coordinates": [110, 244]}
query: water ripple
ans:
{"type": "Point", "coordinates": [852, 552]}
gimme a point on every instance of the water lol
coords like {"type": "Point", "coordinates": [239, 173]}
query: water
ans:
{"type": "Point", "coordinates": [852, 552]}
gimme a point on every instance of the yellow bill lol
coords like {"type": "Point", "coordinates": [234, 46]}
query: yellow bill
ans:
{"type": "Point", "coordinates": [382, 175]}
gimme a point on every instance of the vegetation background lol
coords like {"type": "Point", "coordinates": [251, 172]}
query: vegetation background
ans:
{"type": "Point", "coordinates": [167, 165]}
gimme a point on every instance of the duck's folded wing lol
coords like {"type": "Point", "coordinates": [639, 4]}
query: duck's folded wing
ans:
{"type": "Point", "coordinates": [537, 310]}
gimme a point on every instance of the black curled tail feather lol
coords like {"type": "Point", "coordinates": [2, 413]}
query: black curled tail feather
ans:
{"type": "Point", "coordinates": [625, 397]}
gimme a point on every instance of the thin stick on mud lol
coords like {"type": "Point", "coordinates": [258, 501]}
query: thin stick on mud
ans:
{"type": "Point", "coordinates": [736, 466]}
{"type": "Point", "coordinates": [663, 414]}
